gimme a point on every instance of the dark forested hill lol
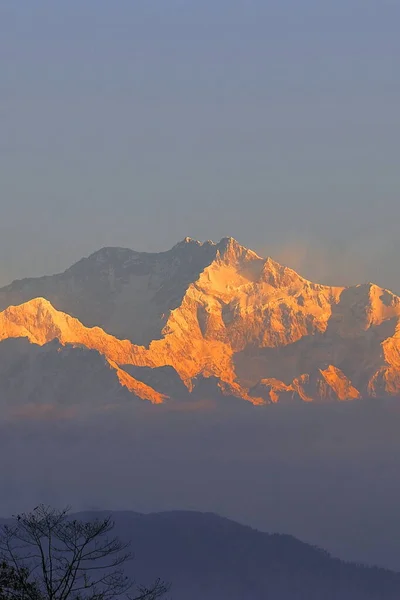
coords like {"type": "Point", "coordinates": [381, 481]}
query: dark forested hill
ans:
{"type": "Point", "coordinates": [207, 557]}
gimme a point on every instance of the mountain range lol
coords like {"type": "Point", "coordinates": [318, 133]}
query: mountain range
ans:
{"type": "Point", "coordinates": [201, 320]}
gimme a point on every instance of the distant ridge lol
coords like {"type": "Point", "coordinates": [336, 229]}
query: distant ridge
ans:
{"type": "Point", "coordinates": [207, 556]}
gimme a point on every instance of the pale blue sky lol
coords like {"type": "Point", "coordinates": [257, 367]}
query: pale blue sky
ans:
{"type": "Point", "coordinates": [138, 122]}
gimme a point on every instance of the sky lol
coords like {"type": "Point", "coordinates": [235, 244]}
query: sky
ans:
{"type": "Point", "coordinates": [137, 123]}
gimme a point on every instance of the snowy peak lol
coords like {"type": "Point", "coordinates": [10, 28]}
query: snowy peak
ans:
{"type": "Point", "coordinates": [362, 307]}
{"type": "Point", "coordinates": [229, 250]}
{"type": "Point", "coordinates": [112, 254]}
{"type": "Point", "coordinates": [104, 260]}
{"type": "Point", "coordinates": [37, 320]}
{"type": "Point", "coordinates": [278, 276]}
{"type": "Point", "coordinates": [189, 242]}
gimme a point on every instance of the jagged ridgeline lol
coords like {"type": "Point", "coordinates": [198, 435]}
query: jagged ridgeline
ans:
{"type": "Point", "coordinates": [201, 320]}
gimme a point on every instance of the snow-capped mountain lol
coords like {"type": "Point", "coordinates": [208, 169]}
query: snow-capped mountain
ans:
{"type": "Point", "coordinates": [162, 324]}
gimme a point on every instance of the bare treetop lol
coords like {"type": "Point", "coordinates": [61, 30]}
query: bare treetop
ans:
{"type": "Point", "coordinates": [59, 557]}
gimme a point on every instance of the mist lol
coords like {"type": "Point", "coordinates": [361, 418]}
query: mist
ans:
{"type": "Point", "coordinates": [326, 474]}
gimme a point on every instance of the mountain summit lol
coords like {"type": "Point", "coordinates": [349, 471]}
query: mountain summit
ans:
{"type": "Point", "coordinates": [217, 312]}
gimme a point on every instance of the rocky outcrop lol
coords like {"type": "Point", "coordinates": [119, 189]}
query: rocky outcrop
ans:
{"type": "Point", "coordinates": [322, 385]}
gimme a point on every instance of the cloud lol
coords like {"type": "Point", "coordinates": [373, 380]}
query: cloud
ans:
{"type": "Point", "coordinates": [340, 262]}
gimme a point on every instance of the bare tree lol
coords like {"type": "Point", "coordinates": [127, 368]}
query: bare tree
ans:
{"type": "Point", "coordinates": [49, 555]}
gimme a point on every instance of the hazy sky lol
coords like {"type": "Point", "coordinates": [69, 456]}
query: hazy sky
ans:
{"type": "Point", "coordinates": [138, 122]}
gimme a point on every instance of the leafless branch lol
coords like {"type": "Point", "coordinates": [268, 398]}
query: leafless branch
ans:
{"type": "Point", "coordinates": [55, 557]}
